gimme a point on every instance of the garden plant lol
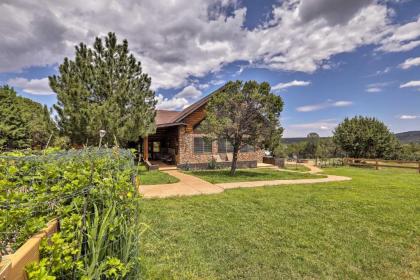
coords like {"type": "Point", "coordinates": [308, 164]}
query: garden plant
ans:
{"type": "Point", "coordinates": [92, 192]}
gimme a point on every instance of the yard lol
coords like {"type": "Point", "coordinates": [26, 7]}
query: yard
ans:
{"type": "Point", "coordinates": [297, 167]}
{"type": "Point", "coordinates": [367, 228]}
{"type": "Point", "coordinates": [155, 177]}
{"type": "Point", "coordinates": [243, 175]}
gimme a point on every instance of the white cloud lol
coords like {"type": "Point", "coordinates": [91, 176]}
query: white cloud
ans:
{"type": "Point", "coordinates": [190, 92]}
{"type": "Point", "coordinates": [342, 104]}
{"type": "Point", "coordinates": [175, 103]}
{"type": "Point", "coordinates": [322, 127]}
{"type": "Point", "coordinates": [218, 82]}
{"type": "Point", "coordinates": [411, 62]}
{"type": "Point", "coordinates": [34, 86]}
{"type": "Point", "coordinates": [294, 83]}
{"type": "Point", "coordinates": [410, 84]}
{"type": "Point", "coordinates": [324, 105]}
{"type": "Point", "coordinates": [381, 72]}
{"type": "Point", "coordinates": [175, 40]}
{"type": "Point", "coordinates": [179, 101]}
{"type": "Point", "coordinates": [408, 117]}
{"type": "Point", "coordinates": [402, 38]}
{"type": "Point", "coordinates": [377, 87]}
{"type": "Point", "coordinates": [373, 89]}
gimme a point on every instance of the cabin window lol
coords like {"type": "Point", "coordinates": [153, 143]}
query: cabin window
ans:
{"type": "Point", "coordinates": [247, 148]}
{"type": "Point", "coordinates": [224, 146]}
{"type": "Point", "coordinates": [201, 145]}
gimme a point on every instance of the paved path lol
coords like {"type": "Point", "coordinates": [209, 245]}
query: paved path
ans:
{"type": "Point", "coordinates": [313, 168]}
{"type": "Point", "coordinates": [190, 185]}
{"type": "Point", "coordinates": [234, 185]}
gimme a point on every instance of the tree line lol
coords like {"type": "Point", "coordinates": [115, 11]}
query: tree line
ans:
{"type": "Point", "coordinates": [358, 137]}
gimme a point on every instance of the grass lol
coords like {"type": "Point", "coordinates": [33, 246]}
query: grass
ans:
{"type": "Point", "coordinates": [299, 167]}
{"type": "Point", "coordinates": [155, 177]}
{"type": "Point", "coordinates": [243, 175]}
{"type": "Point", "coordinates": [367, 228]}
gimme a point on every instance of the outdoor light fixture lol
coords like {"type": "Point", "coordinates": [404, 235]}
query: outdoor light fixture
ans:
{"type": "Point", "coordinates": [101, 135]}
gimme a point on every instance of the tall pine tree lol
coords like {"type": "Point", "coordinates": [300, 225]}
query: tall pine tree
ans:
{"type": "Point", "coordinates": [104, 88]}
{"type": "Point", "coordinates": [24, 123]}
{"type": "Point", "coordinates": [14, 130]}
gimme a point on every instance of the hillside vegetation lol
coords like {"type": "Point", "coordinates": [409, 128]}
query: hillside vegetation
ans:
{"type": "Point", "coordinates": [403, 137]}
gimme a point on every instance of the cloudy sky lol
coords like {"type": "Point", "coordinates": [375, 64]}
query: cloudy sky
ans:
{"type": "Point", "coordinates": [328, 59]}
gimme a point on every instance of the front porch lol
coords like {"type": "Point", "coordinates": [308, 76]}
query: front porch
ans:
{"type": "Point", "coordinates": [161, 150]}
{"type": "Point", "coordinates": [163, 166]}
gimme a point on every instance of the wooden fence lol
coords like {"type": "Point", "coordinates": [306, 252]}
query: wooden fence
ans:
{"type": "Point", "coordinates": [377, 163]}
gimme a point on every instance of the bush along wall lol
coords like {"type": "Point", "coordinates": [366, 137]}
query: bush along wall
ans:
{"type": "Point", "coordinates": [91, 192]}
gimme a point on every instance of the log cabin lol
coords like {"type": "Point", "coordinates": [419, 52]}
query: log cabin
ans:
{"type": "Point", "coordinates": [179, 142]}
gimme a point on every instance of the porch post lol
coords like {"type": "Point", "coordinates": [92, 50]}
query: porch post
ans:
{"type": "Point", "coordinates": [146, 148]}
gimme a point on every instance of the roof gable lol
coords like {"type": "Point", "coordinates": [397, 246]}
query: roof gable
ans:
{"type": "Point", "coordinates": [195, 106]}
{"type": "Point", "coordinates": [167, 117]}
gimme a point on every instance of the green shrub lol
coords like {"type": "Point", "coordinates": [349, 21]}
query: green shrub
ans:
{"type": "Point", "coordinates": [91, 191]}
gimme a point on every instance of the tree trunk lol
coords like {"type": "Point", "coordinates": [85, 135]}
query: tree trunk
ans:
{"type": "Point", "coordinates": [234, 161]}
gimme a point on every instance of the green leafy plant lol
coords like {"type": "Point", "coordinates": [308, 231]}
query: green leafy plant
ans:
{"type": "Point", "coordinates": [92, 193]}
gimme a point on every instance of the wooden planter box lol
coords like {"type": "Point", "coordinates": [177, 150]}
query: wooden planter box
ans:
{"type": "Point", "coordinates": [12, 267]}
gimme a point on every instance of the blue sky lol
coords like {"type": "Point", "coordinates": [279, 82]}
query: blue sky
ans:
{"type": "Point", "coordinates": [326, 61]}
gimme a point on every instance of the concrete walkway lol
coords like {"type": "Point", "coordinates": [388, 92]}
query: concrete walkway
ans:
{"type": "Point", "coordinates": [190, 185]}
{"type": "Point", "coordinates": [313, 168]}
{"type": "Point", "coordinates": [330, 178]}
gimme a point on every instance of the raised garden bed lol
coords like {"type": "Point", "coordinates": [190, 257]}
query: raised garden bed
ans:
{"type": "Point", "coordinates": [92, 193]}
{"type": "Point", "coordinates": [14, 266]}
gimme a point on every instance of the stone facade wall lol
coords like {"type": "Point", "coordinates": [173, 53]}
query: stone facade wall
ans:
{"type": "Point", "coordinates": [218, 165]}
{"type": "Point", "coordinates": [186, 150]}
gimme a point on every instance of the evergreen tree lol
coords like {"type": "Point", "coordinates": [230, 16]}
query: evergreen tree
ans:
{"type": "Point", "coordinates": [23, 123]}
{"type": "Point", "coordinates": [38, 120]}
{"type": "Point", "coordinates": [103, 88]}
{"type": "Point", "coordinates": [312, 145]}
{"type": "Point", "coordinates": [14, 130]}
{"type": "Point", "coordinates": [243, 114]}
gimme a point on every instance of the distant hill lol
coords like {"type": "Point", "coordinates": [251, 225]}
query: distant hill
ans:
{"type": "Point", "coordinates": [294, 140]}
{"type": "Point", "coordinates": [403, 137]}
{"type": "Point", "coordinates": [409, 137]}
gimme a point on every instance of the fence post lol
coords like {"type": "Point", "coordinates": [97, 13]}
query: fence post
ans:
{"type": "Point", "coordinates": [419, 167]}
{"type": "Point", "coordinates": [376, 164]}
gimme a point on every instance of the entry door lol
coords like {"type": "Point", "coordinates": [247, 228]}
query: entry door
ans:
{"type": "Point", "coordinates": [154, 150]}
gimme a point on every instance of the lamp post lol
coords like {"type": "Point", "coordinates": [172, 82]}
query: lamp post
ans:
{"type": "Point", "coordinates": [101, 135]}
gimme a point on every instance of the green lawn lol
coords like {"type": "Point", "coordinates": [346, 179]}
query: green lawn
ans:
{"type": "Point", "coordinates": [254, 174]}
{"type": "Point", "coordinates": [367, 228]}
{"type": "Point", "coordinates": [299, 167]}
{"type": "Point", "coordinates": [155, 177]}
